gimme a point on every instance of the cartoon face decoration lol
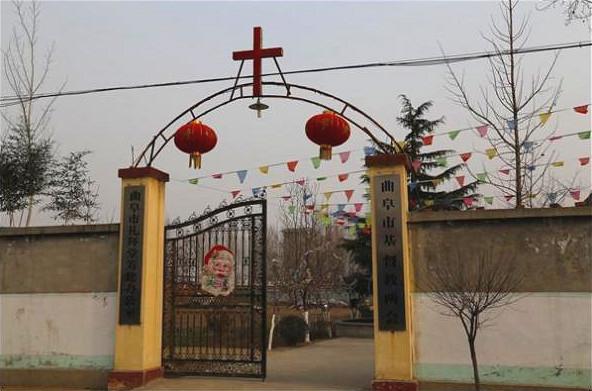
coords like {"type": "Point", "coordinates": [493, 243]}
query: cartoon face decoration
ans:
{"type": "Point", "coordinates": [218, 271]}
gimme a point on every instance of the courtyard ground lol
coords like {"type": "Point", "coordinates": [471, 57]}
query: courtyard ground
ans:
{"type": "Point", "coordinates": [336, 364]}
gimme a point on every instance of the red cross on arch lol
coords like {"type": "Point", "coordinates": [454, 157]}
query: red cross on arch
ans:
{"type": "Point", "coordinates": [256, 55]}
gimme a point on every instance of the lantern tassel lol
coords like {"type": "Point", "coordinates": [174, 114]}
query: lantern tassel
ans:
{"type": "Point", "coordinates": [195, 160]}
{"type": "Point", "coordinates": [325, 152]}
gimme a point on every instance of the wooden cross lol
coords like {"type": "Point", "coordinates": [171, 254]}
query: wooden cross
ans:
{"type": "Point", "coordinates": [256, 55]}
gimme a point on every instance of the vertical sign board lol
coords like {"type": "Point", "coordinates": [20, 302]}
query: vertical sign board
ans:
{"type": "Point", "coordinates": [389, 252]}
{"type": "Point", "coordinates": [131, 255]}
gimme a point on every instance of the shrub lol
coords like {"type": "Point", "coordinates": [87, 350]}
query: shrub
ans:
{"type": "Point", "coordinates": [292, 329]}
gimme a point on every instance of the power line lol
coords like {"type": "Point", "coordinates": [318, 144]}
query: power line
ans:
{"type": "Point", "coordinates": [428, 61]}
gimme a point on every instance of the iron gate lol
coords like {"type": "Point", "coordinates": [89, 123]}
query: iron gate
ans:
{"type": "Point", "coordinates": [219, 333]}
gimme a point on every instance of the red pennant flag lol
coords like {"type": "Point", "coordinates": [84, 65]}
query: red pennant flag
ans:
{"type": "Point", "coordinates": [292, 165]}
{"type": "Point", "coordinates": [358, 207]}
{"type": "Point", "coordinates": [348, 194]}
{"type": "Point", "coordinates": [461, 180]}
{"type": "Point", "coordinates": [427, 140]}
{"type": "Point", "coordinates": [343, 156]}
{"type": "Point", "coordinates": [342, 177]}
{"type": "Point", "coordinates": [235, 193]}
{"type": "Point", "coordinates": [508, 197]}
{"type": "Point", "coordinates": [286, 198]}
{"type": "Point", "coordinates": [584, 161]}
{"type": "Point", "coordinates": [505, 171]}
{"type": "Point", "coordinates": [468, 201]}
{"type": "Point", "coordinates": [416, 164]}
{"type": "Point", "coordinates": [575, 194]}
{"type": "Point", "coordinates": [482, 130]}
{"type": "Point", "coordinates": [465, 156]}
{"type": "Point", "coordinates": [300, 182]}
{"type": "Point", "coordinates": [581, 109]}
{"type": "Point", "coordinates": [217, 176]}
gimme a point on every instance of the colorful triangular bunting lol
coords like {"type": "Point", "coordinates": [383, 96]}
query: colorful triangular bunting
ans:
{"type": "Point", "coordinates": [292, 165]}
{"type": "Point", "coordinates": [427, 140]}
{"type": "Point", "coordinates": [482, 130]}
{"type": "Point", "coordinates": [316, 161]}
{"type": "Point", "coordinates": [242, 175]}
{"type": "Point", "coordinates": [581, 109]}
{"type": "Point", "coordinates": [264, 169]}
{"type": "Point", "coordinates": [544, 117]}
{"type": "Point", "coordinates": [453, 134]}
{"type": "Point", "coordinates": [344, 156]}
{"type": "Point", "coordinates": [584, 161]}
{"type": "Point", "coordinates": [342, 177]}
{"type": "Point", "coordinates": [348, 194]}
{"type": "Point", "coordinates": [465, 156]}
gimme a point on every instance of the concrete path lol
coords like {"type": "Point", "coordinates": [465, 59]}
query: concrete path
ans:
{"type": "Point", "coordinates": [336, 364]}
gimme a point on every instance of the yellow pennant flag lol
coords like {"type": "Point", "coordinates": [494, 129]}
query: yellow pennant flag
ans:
{"type": "Point", "coordinates": [557, 164]}
{"type": "Point", "coordinates": [328, 195]}
{"type": "Point", "coordinates": [491, 153]}
{"type": "Point", "coordinates": [544, 117]}
{"type": "Point", "coordinates": [264, 169]}
{"type": "Point", "coordinates": [275, 186]}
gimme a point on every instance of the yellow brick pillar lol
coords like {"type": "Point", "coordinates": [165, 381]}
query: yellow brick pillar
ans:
{"type": "Point", "coordinates": [392, 277]}
{"type": "Point", "coordinates": [138, 331]}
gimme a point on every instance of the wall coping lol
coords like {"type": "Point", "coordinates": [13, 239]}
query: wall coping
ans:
{"type": "Point", "coordinates": [499, 214]}
{"type": "Point", "coordinates": [59, 230]}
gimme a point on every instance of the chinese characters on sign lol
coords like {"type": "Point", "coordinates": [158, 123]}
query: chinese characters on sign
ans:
{"type": "Point", "coordinates": [131, 256]}
{"type": "Point", "coordinates": [389, 251]}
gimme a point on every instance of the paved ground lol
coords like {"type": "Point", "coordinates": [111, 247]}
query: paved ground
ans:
{"type": "Point", "coordinates": [337, 364]}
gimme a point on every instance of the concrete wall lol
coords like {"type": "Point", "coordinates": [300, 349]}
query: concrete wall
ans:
{"type": "Point", "coordinates": [57, 305]}
{"type": "Point", "coordinates": [545, 337]}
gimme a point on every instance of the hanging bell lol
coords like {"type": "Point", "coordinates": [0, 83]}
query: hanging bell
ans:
{"type": "Point", "coordinates": [259, 107]}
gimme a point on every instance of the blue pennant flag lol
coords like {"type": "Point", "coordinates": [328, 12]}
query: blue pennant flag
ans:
{"type": "Point", "coordinates": [256, 191]}
{"type": "Point", "coordinates": [242, 174]}
{"type": "Point", "coordinates": [527, 145]}
{"type": "Point", "coordinates": [369, 151]}
{"type": "Point", "coordinates": [511, 124]}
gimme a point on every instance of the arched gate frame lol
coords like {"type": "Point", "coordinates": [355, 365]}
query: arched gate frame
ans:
{"type": "Point", "coordinates": [284, 90]}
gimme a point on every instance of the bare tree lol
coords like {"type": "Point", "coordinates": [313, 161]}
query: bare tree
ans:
{"type": "Point", "coordinates": [26, 74]}
{"type": "Point", "coordinates": [574, 10]}
{"type": "Point", "coordinates": [311, 260]}
{"type": "Point", "coordinates": [470, 288]}
{"type": "Point", "coordinates": [509, 105]}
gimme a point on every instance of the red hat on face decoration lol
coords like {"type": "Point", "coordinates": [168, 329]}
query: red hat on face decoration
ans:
{"type": "Point", "coordinates": [214, 250]}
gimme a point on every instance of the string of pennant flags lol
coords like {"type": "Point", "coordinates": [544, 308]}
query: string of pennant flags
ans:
{"type": "Point", "coordinates": [483, 129]}
{"type": "Point", "coordinates": [491, 153]}
{"type": "Point", "coordinates": [291, 165]}
{"type": "Point", "coordinates": [443, 162]}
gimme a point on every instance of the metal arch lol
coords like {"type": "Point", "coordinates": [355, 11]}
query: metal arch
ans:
{"type": "Point", "coordinates": [152, 150]}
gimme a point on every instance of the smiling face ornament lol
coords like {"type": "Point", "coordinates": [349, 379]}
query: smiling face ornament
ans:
{"type": "Point", "coordinates": [218, 271]}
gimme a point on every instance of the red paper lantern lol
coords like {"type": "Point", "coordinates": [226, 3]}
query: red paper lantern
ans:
{"type": "Point", "coordinates": [195, 138]}
{"type": "Point", "coordinates": [327, 130]}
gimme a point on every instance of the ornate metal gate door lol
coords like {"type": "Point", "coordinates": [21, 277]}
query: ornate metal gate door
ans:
{"type": "Point", "coordinates": [214, 320]}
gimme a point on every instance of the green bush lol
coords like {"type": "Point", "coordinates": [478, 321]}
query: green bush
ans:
{"type": "Point", "coordinates": [292, 329]}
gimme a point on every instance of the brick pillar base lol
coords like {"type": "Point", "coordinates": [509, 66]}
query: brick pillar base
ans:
{"type": "Point", "coordinates": [127, 380]}
{"type": "Point", "coordinates": [394, 385]}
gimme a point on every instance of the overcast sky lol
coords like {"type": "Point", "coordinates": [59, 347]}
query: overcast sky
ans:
{"type": "Point", "coordinates": [100, 44]}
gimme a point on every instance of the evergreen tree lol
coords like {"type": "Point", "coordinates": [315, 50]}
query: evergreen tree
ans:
{"type": "Point", "coordinates": [72, 194]}
{"type": "Point", "coordinates": [423, 182]}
